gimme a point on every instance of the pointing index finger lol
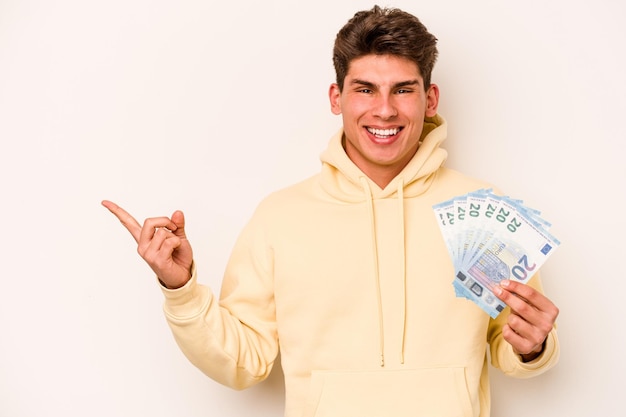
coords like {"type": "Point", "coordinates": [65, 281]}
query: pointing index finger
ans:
{"type": "Point", "coordinates": [125, 218]}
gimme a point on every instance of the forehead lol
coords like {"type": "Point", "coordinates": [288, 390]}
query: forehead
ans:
{"type": "Point", "coordinates": [382, 69]}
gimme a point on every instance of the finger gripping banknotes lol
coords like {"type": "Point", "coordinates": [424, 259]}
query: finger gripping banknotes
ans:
{"type": "Point", "coordinates": [491, 238]}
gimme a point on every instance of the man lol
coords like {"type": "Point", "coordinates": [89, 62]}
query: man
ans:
{"type": "Point", "coordinates": [346, 272]}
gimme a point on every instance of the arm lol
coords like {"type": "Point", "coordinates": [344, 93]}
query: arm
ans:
{"type": "Point", "coordinates": [233, 340]}
{"type": "Point", "coordinates": [234, 343]}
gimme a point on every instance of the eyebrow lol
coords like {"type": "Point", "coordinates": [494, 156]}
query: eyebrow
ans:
{"type": "Point", "coordinates": [396, 85]}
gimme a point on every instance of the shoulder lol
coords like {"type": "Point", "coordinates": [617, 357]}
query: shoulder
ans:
{"type": "Point", "coordinates": [458, 182]}
{"type": "Point", "coordinates": [286, 199]}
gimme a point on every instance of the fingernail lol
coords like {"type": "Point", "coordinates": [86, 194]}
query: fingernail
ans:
{"type": "Point", "coordinates": [505, 283]}
{"type": "Point", "coordinates": [497, 290]}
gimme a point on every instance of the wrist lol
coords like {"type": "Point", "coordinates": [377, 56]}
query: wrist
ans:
{"type": "Point", "coordinates": [173, 286]}
{"type": "Point", "coordinates": [531, 356]}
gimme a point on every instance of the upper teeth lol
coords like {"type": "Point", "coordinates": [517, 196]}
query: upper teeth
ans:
{"type": "Point", "coordinates": [383, 132]}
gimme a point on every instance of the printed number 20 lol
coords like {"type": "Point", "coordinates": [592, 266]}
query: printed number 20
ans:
{"type": "Point", "coordinates": [520, 271]}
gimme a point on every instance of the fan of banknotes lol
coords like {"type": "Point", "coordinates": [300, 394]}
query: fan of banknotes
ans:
{"type": "Point", "coordinates": [491, 238]}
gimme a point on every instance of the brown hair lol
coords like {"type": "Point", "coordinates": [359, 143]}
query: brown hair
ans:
{"type": "Point", "coordinates": [385, 31]}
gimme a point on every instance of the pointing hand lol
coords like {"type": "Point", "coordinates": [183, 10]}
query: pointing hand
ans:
{"type": "Point", "coordinates": [162, 243]}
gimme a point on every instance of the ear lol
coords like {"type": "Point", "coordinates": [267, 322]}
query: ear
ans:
{"type": "Point", "coordinates": [334, 95]}
{"type": "Point", "coordinates": [432, 100]}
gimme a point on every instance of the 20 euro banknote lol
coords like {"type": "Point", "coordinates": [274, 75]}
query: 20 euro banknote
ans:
{"type": "Point", "coordinates": [491, 238]}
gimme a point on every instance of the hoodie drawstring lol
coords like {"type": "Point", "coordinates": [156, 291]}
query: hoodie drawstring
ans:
{"type": "Point", "coordinates": [402, 234]}
{"type": "Point", "coordinates": [370, 210]}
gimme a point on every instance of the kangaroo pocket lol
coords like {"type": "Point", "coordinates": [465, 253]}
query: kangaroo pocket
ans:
{"type": "Point", "coordinates": [431, 392]}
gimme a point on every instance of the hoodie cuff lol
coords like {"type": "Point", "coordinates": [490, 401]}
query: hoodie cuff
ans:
{"type": "Point", "coordinates": [548, 357]}
{"type": "Point", "coordinates": [186, 301]}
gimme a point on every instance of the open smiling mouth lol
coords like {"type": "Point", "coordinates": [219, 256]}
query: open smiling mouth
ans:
{"type": "Point", "coordinates": [384, 133]}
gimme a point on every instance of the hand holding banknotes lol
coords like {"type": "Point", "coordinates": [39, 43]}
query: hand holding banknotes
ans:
{"type": "Point", "coordinates": [162, 243]}
{"type": "Point", "coordinates": [532, 317]}
{"type": "Point", "coordinates": [496, 245]}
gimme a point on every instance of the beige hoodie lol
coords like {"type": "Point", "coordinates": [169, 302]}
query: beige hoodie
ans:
{"type": "Point", "coordinates": [353, 284]}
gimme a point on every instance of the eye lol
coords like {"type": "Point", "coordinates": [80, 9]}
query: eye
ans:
{"type": "Point", "coordinates": [404, 91]}
{"type": "Point", "coordinates": [365, 90]}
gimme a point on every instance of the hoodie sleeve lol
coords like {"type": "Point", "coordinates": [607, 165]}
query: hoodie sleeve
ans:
{"type": "Point", "coordinates": [233, 340]}
{"type": "Point", "coordinates": [511, 364]}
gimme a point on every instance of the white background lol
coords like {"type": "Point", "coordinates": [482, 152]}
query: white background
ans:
{"type": "Point", "coordinates": [208, 106]}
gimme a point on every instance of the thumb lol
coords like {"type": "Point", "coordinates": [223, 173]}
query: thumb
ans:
{"type": "Point", "coordinates": [178, 218]}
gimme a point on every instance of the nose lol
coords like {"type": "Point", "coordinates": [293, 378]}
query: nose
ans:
{"type": "Point", "coordinates": [384, 107]}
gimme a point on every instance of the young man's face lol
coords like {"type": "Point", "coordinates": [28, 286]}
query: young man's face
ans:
{"type": "Point", "coordinates": [383, 105]}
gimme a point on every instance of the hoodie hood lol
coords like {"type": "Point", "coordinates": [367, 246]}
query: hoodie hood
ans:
{"type": "Point", "coordinates": [342, 179]}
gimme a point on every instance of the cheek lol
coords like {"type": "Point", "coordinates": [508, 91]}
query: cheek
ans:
{"type": "Point", "coordinates": [355, 106]}
{"type": "Point", "coordinates": [413, 110]}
